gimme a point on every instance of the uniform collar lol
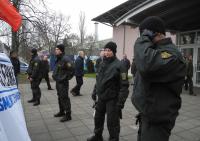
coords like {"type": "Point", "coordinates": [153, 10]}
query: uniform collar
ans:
{"type": "Point", "coordinates": [164, 41]}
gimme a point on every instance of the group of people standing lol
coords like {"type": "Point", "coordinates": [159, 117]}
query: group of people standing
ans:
{"type": "Point", "coordinates": [64, 70]}
{"type": "Point", "coordinates": [158, 81]}
{"type": "Point", "coordinates": [159, 71]}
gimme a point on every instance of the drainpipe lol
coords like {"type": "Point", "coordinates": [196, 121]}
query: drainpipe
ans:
{"type": "Point", "coordinates": [124, 43]}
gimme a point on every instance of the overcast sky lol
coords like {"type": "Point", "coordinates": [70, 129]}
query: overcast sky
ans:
{"type": "Point", "coordinates": [92, 9]}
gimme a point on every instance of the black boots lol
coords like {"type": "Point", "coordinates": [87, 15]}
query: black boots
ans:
{"type": "Point", "coordinates": [31, 101]}
{"type": "Point", "coordinates": [50, 89]}
{"type": "Point", "coordinates": [95, 138]}
{"type": "Point", "coordinates": [66, 118]}
{"type": "Point", "coordinates": [59, 114]}
{"type": "Point", "coordinates": [37, 102]}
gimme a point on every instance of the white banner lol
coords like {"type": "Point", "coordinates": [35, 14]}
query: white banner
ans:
{"type": "Point", "coordinates": [12, 122]}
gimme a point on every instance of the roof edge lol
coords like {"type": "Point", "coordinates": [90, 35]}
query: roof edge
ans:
{"type": "Point", "coordinates": [143, 6]}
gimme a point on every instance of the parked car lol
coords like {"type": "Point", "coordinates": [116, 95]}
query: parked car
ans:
{"type": "Point", "coordinates": [23, 67]}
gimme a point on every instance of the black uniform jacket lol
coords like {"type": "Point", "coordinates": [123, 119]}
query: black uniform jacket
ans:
{"type": "Point", "coordinates": [79, 66]}
{"type": "Point", "coordinates": [112, 81]}
{"type": "Point", "coordinates": [63, 69]}
{"type": "Point", "coordinates": [34, 70]}
{"type": "Point", "coordinates": [159, 79]}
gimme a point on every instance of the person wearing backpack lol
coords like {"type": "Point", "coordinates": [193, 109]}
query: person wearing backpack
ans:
{"type": "Point", "coordinates": [62, 73]}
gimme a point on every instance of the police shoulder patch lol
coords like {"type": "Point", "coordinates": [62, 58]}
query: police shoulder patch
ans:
{"type": "Point", "coordinates": [123, 75]}
{"type": "Point", "coordinates": [165, 55]}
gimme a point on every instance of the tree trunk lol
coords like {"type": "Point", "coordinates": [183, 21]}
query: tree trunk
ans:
{"type": "Point", "coordinates": [15, 36]}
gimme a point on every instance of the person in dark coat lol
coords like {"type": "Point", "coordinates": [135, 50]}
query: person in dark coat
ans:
{"type": "Point", "coordinates": [79, 73]}
{"type": "Point", "coordinates": [34, 72]}
{"type": "Point", "coordinates": [126, 62]}
{"type": "Point", "coordinates": [99, 60]}
{"type": "Point", "coordinates": [90, 65]}
{"type": "Point", "coordinates": [62, 74]}
{"type": "Point", "coordinates": [133, 68]}
{"type": "Point", "coordinates": [159, 79]}
{"type": "Point", "coordinates": [16, 64]}
{"type": "Point", "coordinates": [45, 70]}
{"type": "Point", "coordinates": [188, 81]}
{"type": "Point", "coordinates": [110, 94]}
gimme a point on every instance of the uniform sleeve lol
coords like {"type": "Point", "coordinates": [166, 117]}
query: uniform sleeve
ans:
{"type": "Point", "coordinates": [124, 84]}
{"type": "Point", "coordinates": [156, 65]}
{"type": "Point", "coordinates": [68, 70]}
{"type": "Point", "coordinates": [29, 70]}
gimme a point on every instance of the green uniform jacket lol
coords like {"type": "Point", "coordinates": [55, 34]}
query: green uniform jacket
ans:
{"type": "Point", "coordinates": [160, 75]}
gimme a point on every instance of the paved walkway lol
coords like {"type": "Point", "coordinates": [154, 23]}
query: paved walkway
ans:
{"type": "Point", "coordinates": [43, 126]}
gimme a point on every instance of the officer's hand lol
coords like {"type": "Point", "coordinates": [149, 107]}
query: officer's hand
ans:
{"type": "Point", "coordinates": [94, 97]}
{"type": "Point", "coordinates": [121, 106]}
{"type": "Point", "coordinates": [31, 79]}
{"type": "Point", "coordinates": [149, 33]}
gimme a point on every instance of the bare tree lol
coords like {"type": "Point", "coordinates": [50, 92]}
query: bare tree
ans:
{"type": "Point", "coordinates": [82, 27]}
{"type": "Point", "coordinates": [53, 29]}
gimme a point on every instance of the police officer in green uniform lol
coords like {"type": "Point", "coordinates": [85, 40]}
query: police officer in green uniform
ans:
{"type": "Point", "coordinates": [62, 73]}
{"type": "Point", "coordinates": [159, 79]}
{"type": "Point", "coordinates": [34, 75]}
{"type": "Point", "coordinates": [110, 94]}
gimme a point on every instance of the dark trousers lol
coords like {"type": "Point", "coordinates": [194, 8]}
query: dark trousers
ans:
{"type": "Point", "coordinates": [154, 131]}
{"type": "Point", "coordinates": [188, 82]}
{"type": "Point", "coordinates": [36, 89]}
{"type": "Point", "coordinates": [63, 98]}
{"type": "Point", "coordinates": [113, 118]}
{"type": "Point", "coordinates": [79, 83]}
{"type": "Point", "coordinates": [46, 77]}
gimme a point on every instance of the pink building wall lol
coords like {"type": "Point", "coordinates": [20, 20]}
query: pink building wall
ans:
{"type": "Point", "coordinates": [130, 35]}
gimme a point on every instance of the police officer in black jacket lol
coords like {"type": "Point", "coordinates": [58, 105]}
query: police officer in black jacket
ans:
{"type": "Point", "coordinates": [111, 92]}
{"type": "Point", "coordinates": [159, 79]}
{"type": "Point", "coordinates": [79, 73]}
{"type": "Point", "coordinates": [34, 75]}
{"type": "Point", "coordinates": [61, 74]}
{"type": "Point", "coordinates": [45, 71]}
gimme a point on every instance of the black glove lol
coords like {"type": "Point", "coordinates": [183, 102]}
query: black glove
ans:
{"type": "Point", "coordinates": [149, 33]}
{"type": "Point", "coordinates": [120, 105]}
{"type": "Point", "coordinates": [94, 97]}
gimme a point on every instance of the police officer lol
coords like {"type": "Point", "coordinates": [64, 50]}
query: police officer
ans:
{"type": "Point", "coordinates": [35, 75]}
{"type": "Point", "coordinates": [45, 71]}
{"type": "Point", "coordinates": [110, 91]}
{"type": "Point", "coordinates": [159, 79]}
{"type": "Point", "coordinates": [62, 74]}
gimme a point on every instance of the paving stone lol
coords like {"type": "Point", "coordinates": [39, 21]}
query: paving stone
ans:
{"type": "Point", "coordinates": [43, 126]}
